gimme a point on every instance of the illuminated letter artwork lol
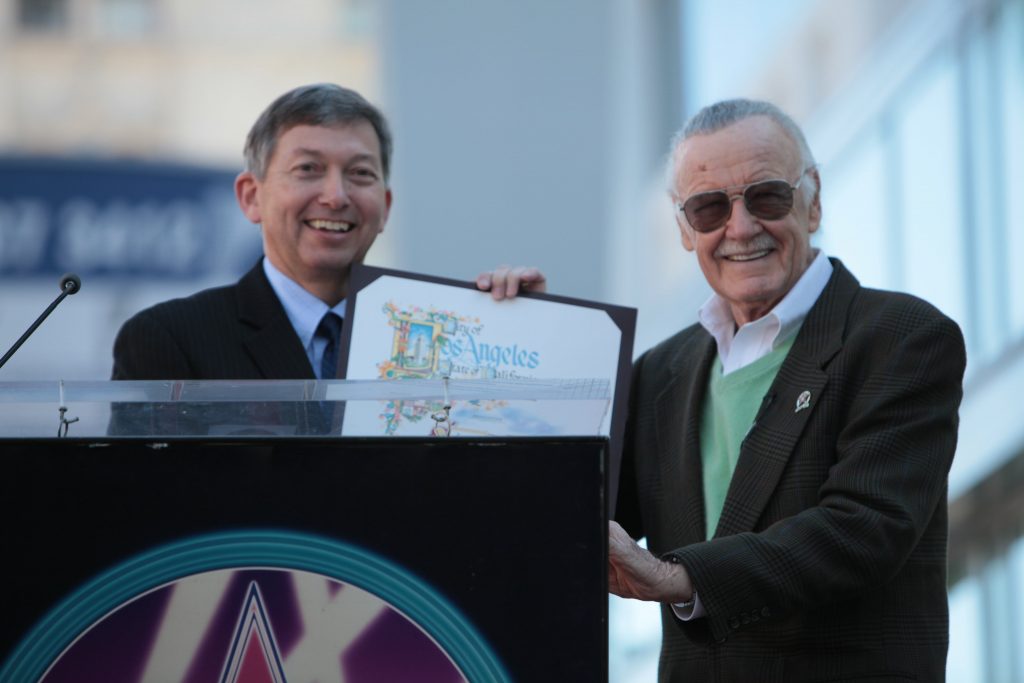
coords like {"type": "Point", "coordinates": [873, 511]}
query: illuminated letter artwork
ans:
{"type": "Point", "coordinates": [434, 343]}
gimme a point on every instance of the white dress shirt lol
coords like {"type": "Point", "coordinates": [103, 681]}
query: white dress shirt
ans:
{"type": "Point", "coordinates": [304, 311]}
{"type": "Point", "coordinates": [756, 339]}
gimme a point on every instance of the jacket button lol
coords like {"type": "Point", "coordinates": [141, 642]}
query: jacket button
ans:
{"type": "Point", "coordinates": [734, 623]}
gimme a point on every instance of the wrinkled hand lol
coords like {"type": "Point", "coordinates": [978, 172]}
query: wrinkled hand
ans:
{"type": "Point", "coordinates": [635, 573]}
{"type": "Point", "coordinates": [504, 282]}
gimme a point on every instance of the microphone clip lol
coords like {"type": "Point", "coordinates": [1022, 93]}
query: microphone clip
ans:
{"type": "Point", "coordinates": [64, 424]}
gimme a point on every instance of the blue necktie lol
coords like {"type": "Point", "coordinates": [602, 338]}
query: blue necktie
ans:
{"type": "Point", "coordinates": [330, 329]}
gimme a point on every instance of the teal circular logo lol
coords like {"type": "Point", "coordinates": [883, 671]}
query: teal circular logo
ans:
{"type": "Point", "coordinates": [244, 606]}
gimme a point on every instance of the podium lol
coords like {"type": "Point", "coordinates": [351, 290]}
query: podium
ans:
{"type": "Point", "coordinates": [266, 553]}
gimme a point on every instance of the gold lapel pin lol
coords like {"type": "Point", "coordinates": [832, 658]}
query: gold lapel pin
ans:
{"type": "Point", "coordinates": [803, 401]}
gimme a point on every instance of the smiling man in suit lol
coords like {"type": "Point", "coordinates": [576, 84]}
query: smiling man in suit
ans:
{"type": "Point", "coordinates": [787, 457]}
{"type": "Point", "coordinates": [318, 163]}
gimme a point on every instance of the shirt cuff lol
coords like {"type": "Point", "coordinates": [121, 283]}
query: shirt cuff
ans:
{"type": "Point", "coordinates": [687, 611]}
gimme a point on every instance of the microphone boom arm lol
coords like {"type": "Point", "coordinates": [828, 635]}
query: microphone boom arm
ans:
{"type": "Point", "coordinates": [69, 284]}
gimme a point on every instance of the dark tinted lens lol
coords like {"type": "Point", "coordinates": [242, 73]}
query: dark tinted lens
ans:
{"type": "Point", "coordinates": [769, 200]}
{"type": "Point", "coordinates": [707, 210]}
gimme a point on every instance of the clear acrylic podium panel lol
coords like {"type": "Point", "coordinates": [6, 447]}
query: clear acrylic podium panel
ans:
{"type": "Point", "coordinates": [299, 408]}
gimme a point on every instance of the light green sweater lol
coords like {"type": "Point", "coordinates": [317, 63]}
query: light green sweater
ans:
{"type": "Point", "coordinates": [730, 406]}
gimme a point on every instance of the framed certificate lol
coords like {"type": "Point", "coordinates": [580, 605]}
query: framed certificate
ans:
{"type": "Point", "coordinates": [402, 325]}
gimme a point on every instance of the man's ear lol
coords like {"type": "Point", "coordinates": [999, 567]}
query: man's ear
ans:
{"type": "Point", "coordinates": [387, 209]}
{"type": "Point", "coordinates": [247, 193]}
{"type": "Point", "coordinates": [686, 232]}
{"type": "Point", "coordinates": [814, 210]}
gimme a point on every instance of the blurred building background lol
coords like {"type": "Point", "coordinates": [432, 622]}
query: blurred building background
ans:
{"type": "Point", "coordinates": [535, 132]}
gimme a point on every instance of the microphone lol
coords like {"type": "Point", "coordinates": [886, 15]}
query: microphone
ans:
{"type": "Point", "coordinates": [69, 284]}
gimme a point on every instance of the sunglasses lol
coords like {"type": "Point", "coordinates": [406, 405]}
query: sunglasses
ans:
{"type": "Point", "coordinates": [766, 199]}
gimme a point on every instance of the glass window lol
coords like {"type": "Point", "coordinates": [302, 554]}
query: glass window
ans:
{"type": "Point", "coordinates": [124, 18]}
{"type": "Point", "coordinates": [1011, 59]}
{"type": "Point", "coordinates": [359, 19]}
{"type": "Point", "coordinates": [928, 134]}
{"type": "Point", "coordinates": [43, 15]}
{"type": "Point", "coordinates": [965, 661]}
{"type": "Point", "coordinates": [634, 634]}
{"type": "Point", "coordinates": [856, 226]}
{"type": "Point", "coordinates": [985, 194]}
{"type": "Point", "coordinates": [996, 630]}
{"type": "Point", "coordinates": [711, 74]}
{"type": "Point", "coordinates": [1016, 568]}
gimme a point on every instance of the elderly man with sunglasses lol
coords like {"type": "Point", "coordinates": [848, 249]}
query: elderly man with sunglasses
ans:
{"type": "Point", "coordinates": [787, 457]}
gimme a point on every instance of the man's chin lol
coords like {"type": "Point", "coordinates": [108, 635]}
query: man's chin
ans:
{"type": "Point", "coordinates": [758, 296]}
{"type": "Point", "coordinates": [326, 263]}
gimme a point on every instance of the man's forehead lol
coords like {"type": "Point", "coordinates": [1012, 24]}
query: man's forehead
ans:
{"type": "Point", "coordinates": [316, 136]}
{"type": "Point", "coordinates": [357, 127]}
{"type": "Point", "coordinates": [747, 146]}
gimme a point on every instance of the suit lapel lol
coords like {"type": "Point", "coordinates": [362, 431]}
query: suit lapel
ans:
{"type": "Point", "coordinates": [788, 407]}
{"type": "Point", "coordinates": [678, 410]}
{"type": "Point", "coordinates": [268, 335]}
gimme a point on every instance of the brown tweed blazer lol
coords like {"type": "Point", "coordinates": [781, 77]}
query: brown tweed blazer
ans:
{"type": "Point", "coordinates": [829, 561]}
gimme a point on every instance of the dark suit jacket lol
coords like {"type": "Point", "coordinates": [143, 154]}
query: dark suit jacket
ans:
{"type": "Point", "coordinates": [829, 561]}
{"type": "Point", "coordinates": [235, 332]}
{"type": "Point", "coordinates": [238, 332]}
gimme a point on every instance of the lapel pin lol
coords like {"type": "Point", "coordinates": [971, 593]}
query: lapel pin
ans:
{"type": "Point", "coordinates": [803, 401]}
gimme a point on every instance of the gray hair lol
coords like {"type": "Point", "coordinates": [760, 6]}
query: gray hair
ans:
{"type": "Point", "coordinates": [719, 115]}
{"type": "Point", "coordinates": [320, 104]}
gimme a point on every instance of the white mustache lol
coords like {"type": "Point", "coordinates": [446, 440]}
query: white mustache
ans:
{"type": "Point", "coordinates": [760, 243]}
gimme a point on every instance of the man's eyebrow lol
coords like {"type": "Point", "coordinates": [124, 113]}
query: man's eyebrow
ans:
{"type": "Point", "coordinates": [365, 157]}
{"type": "Point", "coordinates": [310, 151]}
{"type": "Point", "coordinates": [306, 151]}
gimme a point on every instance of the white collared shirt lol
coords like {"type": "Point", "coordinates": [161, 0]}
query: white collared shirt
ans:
{"type": "Point", "coordinates": [756, 339]}
{"type": "Point", "coordinates": [304, 311]}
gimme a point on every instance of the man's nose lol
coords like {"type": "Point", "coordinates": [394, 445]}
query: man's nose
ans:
{"type": "Point", "coordinates": [741, 224]}
{"type": "Point", "coordinates": [334, 191]}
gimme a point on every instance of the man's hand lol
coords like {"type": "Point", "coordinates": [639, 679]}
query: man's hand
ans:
{"type": "Point", "coordinates": [635, 573]}
{"type": "Point", "coordinates": [504, 282]}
